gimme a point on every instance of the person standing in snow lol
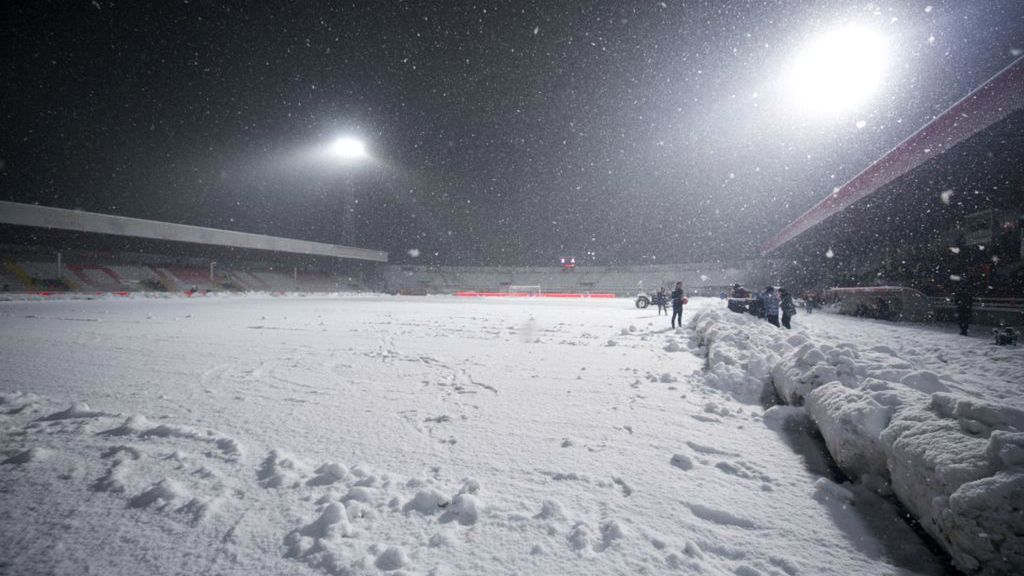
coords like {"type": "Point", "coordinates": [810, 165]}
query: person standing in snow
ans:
{"type": "Point", "coordinates": [964, 301]}
{"type": "Point", "coordinates": [770, 305]}
{"type": "Point", "coordinates": [661, 299]}
{"type": "Point", "coordinates": [788, 307]}
{"type": "Point", "coordinates": [677, 304]}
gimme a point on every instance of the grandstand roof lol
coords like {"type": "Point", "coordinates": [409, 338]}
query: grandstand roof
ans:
{"type": "Point", "coordinates": [990, 103]}
{"type": "Point", "coordinates": [92, 222]}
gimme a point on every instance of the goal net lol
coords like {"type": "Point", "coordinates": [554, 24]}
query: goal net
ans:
{"type": "Point", "coordinates": [530, 290]}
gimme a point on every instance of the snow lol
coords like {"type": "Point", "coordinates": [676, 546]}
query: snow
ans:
{"type": "Point", "coordinates": [436, 435]}
{"type": "Point", "coordinates": [682, 461]}
{"type": "Point", "coordinates": [930, 416]}
{"type": "Point", "coordinates": [852, 424]}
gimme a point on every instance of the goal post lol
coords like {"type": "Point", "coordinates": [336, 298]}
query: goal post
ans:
{"type": "Point", "coordinates": [529, 290]}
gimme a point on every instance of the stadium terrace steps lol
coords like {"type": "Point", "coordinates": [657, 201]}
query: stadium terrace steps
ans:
{"type": "Point", "coordinates": [96, 277]}
{"type": "Point", "coordinates": [17, 278]}
{"type": "Point", "coordinates": [165, 278]}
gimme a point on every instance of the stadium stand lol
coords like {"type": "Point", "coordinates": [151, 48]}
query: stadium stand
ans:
{"type": "Point", "coordinates": [26, 270]}
{"type": "Point", "coordinates": [49, 249]}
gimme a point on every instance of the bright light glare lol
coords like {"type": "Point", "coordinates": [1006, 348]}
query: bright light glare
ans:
{"type": "Point", "coordinates": [838, 71]}
{"type": "Point", "coordinates": [348, 149]}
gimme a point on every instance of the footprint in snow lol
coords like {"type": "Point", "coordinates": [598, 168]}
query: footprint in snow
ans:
{"type": "Point", "coordinates": [682, 461]}
{"type": "Point", "coordinates": [703, 418]}
{"type": "Point", "coordinates": [721, 517]}
{"type": "Point", "coordinates": [743, 470]}
{"type": "Point", "coordinates": [708, 450]}
{"type": "Point", "coordinates": [627, 490]}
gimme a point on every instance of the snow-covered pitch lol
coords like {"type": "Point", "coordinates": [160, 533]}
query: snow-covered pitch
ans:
{"type": "Point", "coordinates": [436, 435]}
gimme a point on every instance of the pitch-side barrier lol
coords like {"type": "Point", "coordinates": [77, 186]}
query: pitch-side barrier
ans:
{"type": "Point", "coordinates": [590, 295]}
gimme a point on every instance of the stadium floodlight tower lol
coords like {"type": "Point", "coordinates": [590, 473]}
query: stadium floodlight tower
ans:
{"type": "Point", "coordinates": [837, 71]}
{"type": "Point", "coordinates": [343, 155]}
{"type": "Point", "coordinates": [348, 149]}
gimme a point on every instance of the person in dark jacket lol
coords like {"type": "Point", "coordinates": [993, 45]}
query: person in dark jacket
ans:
{"type": "Point", "coordinates": [661, 299]}
{"type": "Point", "coordinates": [770, 305]}
{"type": "Point", "coordinates": [964, 301]}
{"type": "Point", "coordinates": [809, 302]}
{"type": "Point", "coordinates": [677, 304]}
{"type": "Point", "coordinates": [788, 307]}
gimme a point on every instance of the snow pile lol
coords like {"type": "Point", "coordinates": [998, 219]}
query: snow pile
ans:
{"type": "Point", "coordinates": [940, 452]}
{"type": "Point", "coordinates": [33, 454]}
{"type": "Point", "coordinates": [77, 411]}
{"type": "Point", "coordinates": [141, 427]}
{"type": "Point", "coordinates": [852, 422]}
{"type": "Point", "coordinates": [740, 351]}
{"type": "Point", "coordinates": [956, 462]}
{"type": "Point", "coordinates": [958, 465]}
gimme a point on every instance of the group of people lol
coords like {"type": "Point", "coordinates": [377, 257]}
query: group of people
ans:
{"type": "Point", "coordinates": [676, 298]}
{"type": "Point", "coordinates": [772, 303]}
{"type": "Point", "coordinates": [765, 304]}
{"type": "Point", "coordinates": [769, 303]}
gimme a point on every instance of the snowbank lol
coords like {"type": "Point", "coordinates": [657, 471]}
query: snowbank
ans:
{"type": "Point", "coordinates": [740, 350]}
{"type": "Point", "coordinates": [851, 423]}
{"type": "Point", "coordinates": [956, 462]}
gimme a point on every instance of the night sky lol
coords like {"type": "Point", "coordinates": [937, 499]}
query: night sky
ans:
{"type": "Point", "coordinates": [499, 133]}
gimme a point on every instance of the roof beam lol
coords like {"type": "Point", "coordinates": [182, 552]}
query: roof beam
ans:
{"type": "Point", "coordinates": [92, 222]}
